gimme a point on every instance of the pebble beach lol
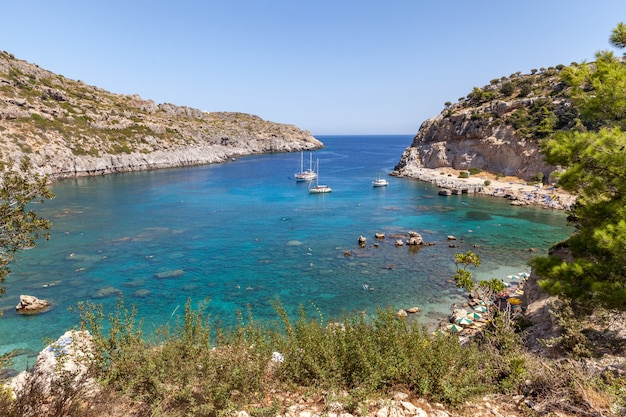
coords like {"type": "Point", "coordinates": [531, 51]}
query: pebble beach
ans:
{"type": "Point", "coordinates": [515, 189]}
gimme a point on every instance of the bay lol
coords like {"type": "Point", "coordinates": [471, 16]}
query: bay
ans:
{"type": "Point", "coordinates": [243, 233]}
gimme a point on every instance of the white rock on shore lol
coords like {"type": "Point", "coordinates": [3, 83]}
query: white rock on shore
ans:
{"type": "Point", "coordinates": [65, 358]}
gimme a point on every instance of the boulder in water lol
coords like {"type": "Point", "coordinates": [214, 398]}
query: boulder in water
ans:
{"type": "Point", "coordinates": [30, 304]}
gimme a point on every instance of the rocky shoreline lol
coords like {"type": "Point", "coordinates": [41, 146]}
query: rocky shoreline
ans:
{"type": "Point", "coordinates": [66, 165]}
{"type": "Point", "coordinates": [512, 188]}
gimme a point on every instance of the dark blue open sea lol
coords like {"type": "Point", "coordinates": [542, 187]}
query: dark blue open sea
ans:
{"type": "Point", "coordinates": [243, 233]}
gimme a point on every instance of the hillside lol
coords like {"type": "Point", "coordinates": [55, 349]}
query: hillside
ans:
{"type": "Point", "coordinates": [68, 128]}
{"type": "Point", "coordinates": [496, 128]}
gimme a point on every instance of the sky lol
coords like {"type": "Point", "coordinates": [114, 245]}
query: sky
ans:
{"type": "Point", "coordinates": [332, 67]}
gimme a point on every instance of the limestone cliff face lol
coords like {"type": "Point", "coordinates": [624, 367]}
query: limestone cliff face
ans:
{"type": "Point", "coordinates": [492, 131]}
{"type": "Point", "coordinates": [68, 129]}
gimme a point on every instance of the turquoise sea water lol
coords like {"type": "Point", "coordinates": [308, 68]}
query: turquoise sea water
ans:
{"type": "Point", "coordinates": [243, 233]}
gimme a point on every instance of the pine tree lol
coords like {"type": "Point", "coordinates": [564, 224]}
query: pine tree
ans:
{"type": "Point", "coordinates": [595, 157]}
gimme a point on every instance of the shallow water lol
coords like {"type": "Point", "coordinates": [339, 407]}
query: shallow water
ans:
{"type": "Point", "coordinates": [242, 233]}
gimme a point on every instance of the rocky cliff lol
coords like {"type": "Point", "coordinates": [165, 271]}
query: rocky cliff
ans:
{"type": "Point", "coordinates": [497, 128]}
{"type": "Point", "coordinates": [68, 129]}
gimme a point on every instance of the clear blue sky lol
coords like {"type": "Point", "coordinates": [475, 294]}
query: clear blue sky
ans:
{"type": "Point", "coordinates": [328, 66]}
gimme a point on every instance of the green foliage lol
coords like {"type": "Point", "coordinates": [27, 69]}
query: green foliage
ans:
{"type": "Point", "coordinates": [20, 226]}
{"type": "Point", "coordinates": [547, 123]}
{"type": "Point", "coordinates": [538, 120]}
{"type": "Point", "coordinates": [595, 161]}
{"type": "Point", "coordinates": [464, 174]}
{"type": "Point", "coordinates": [490, 286]}
{"type": "Point", "coordinates": [479, 116]}
{"type": "Point", "coordinates": [598, 90]}
{"type": "Point", "coordinates": [618, 36]}
{"type": "Point", "coordinates": [507, 89]}
{"type": "Point", "coordinates": [505, 348]}
{"type": "Point", "coordinates": [571, 341]}
{"type": "Point", "coordinates": [7, 403]}
{"type": "Point", "coordinates": [479, 96]}
{"type": "Point", "coordinates": [180, 368]}
{"type": "Point", "coordinates": [538, 177]}
{"type": "Point", "coordinates": [386, 352]}
{"type": "Point", "coordinates": [475, 171]}
{"type": "Point", "coordinates": [595, 172]}
{"type": "Point", "coordinates": [197, 368]}
{"type": "Point", "coordinates": [463, 278]}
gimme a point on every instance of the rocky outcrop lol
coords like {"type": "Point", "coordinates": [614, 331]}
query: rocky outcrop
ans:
{"type": "Point", "coordinates": [461, 142]}
{"type": "Point", "coordinates": [30, 304]}
{"type": "Point", "coordinates": [60, 376]}
{"type": "Point", "coordinates": [415, 239]}
{"type": "Point", "coordinates": [70, 129]}
{"type": "Point", "coordinates": [493, 131]}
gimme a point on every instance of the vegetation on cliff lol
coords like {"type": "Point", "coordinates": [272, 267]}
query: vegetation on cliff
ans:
{"type": "Point", "coordinates": [534, 105]}
{"type": "Point", "coordinates": [497, 128]}
{"type": "Point", "coordinates": [57, 121]}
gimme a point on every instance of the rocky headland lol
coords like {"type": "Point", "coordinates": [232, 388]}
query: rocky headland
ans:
{"type": "Point", "coordinates": [70, 129]}
{"type": "Point", "coordinates": [497, 130]}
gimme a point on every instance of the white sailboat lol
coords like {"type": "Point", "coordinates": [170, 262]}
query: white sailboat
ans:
{"type": "Point", "coordinates": [319, 188]}
{"type": "Point", "coordinates": [380, 182]}
{"type": "Point", "coordinates": [307, 175]}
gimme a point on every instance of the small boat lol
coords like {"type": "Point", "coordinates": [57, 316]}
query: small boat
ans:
{"type": "Point", "coordinates": [380, 182]}
{"type": "Point", "coordinates": [307, 175]}
{"type": "Point", "coordinates": [319, 188]}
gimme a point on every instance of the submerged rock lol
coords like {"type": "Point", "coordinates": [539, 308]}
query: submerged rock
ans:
{"type": "Point", "coordinates": [107, 292]}
{"type": "Point", "coordinates": [169, 274]}
{"type": "Point", "coordinates": [144, 292]}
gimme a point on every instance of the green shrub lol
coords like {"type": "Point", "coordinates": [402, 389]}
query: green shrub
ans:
{"type": "Point", "coordinates": [197, 368]}
{"type": "Point", "coordinates": [487, 183]}
{"type": "Point", "coordinates": [475, 171]}
{"type": "Point", "coordinates": [538, 177]}
{"type": "Point", "coordinates": [7, 403]}
{"type": "Point", "coordinates": [479, 116]}
{"type": "Point", "coordinates": [464, 174]}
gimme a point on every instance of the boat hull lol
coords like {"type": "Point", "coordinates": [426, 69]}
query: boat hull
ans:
{"type": "Point", "coordinates": [320, 189]}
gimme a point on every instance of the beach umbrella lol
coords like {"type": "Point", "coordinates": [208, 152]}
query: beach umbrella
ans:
{"type": "Point", "coordinates": [480, 309]}
{"type": "Point", "coordinates": [464, 321]}
{"type": "Point", "coordinates": [474, 315]}
{"type": "Point", "coordinates": [455, 328]}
